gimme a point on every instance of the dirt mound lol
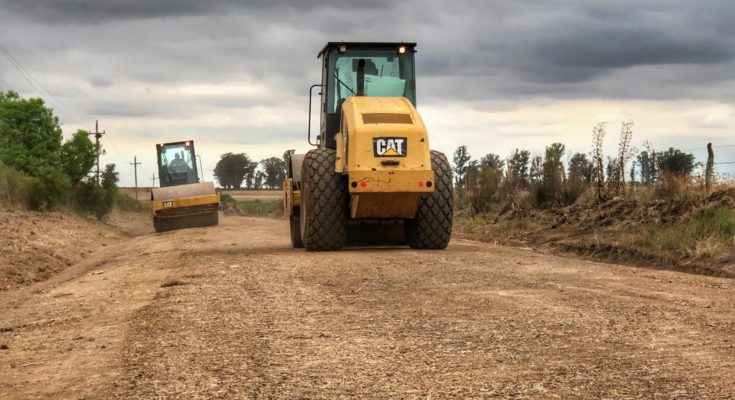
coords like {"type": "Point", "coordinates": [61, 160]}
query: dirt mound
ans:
{"type": "Point", "coordinates": [130, 223]}
{"type": "Point", "coordinates": [36, 246]}
{"type": "Point", "coordinates": [620, 212]}
{"type": "Point", "coordinates": [659, 233]}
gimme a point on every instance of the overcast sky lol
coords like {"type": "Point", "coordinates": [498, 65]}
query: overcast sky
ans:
{"type": "Point", "coordinates": [494, 75]}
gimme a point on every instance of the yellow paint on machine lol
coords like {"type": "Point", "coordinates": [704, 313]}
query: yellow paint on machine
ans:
{"type": "Point", "coordinates": [160, 205]}
{"type": "Point", "coordinates": [390, 184]}
{"type": "Point", "coordinates": [391, 181]}
{"type": "Point", "coordinates": [291, 196]}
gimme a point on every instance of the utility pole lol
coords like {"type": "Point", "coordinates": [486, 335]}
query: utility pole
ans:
{"type": "Point", "coordinates": [153, 181]}
{"type": "Point", "coordinates": [97, 135]}
{"type": "Point", "coordinates": [135, 164]}
{"type": "Point", "coordinates": [710, 169]}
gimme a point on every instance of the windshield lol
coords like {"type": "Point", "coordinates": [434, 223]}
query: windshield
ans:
{"type": "Point", "coordinates": [386, 74]}
{"type": "Point", "coordinates": [177, 164]}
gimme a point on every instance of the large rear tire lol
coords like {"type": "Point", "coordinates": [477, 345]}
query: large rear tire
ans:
{"type": "Point", "coordinates": [432, 227]}
{"type": "Point", "coordinates": [323, 216]}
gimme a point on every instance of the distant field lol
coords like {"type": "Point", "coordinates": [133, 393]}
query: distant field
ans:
{"type": "Point", "coordinates": [246, 195]}
{"type": "Point", "coordinates": [239, 195]}
{"type": "Point", "coordinates": [143, 193]}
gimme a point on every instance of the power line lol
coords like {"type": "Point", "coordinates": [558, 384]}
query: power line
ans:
{"type": "Point", "coordinates": [27, 77]}
{"type": "Point", "coordinates": [30, 82]}
{"type": "Point", "coordinates": [40, 89]}
{"type": "Point", "coordinates": [114, 148]}
{"type": "Point", "coordinates": [704, 148]}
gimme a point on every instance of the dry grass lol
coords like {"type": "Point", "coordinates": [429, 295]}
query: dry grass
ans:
{"type": "Point", "coordinates": [708, 233]}
{"type": "Point", "coordinates": [253, 208]}
{"type": "Point", "coordinates": [125, 202]}
{"type": "Point", "coordinates": [674, 225]}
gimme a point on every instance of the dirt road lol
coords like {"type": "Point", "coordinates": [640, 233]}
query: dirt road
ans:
{"type": "Point", "coordinates": [234, 312]}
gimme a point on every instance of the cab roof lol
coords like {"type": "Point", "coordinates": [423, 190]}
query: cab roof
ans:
{"type": "Point", "coordinates": [410, 46]}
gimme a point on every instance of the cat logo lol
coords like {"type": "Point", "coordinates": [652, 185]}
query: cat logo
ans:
{"type": "Point", "coordinates": [168, 204]}
{"type": "Point", "coordinates": [390, 146]}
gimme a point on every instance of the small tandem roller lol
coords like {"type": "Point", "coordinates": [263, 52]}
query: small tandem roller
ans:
{"type": "Point", "coordinates": [182, 201]}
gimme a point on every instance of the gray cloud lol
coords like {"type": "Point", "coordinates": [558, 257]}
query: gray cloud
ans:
{"type": "Point", "coordinates": [112, 58]}
{"type": "Point", "coordinates": [94, 12]}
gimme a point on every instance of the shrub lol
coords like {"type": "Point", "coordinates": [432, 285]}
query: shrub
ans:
{"type": "Point", "coordinates": [482, 187]}
{"type": "Point", "coordinates": [89, 197]}
{"type": "Point", "coordinates": [54, 191]}
{"type": "Point", "coordinates": [674, 187]}
{"type": "Point", "coordinates": [17, 189]}
{"type": "Point", "coordinates": [127, 203]}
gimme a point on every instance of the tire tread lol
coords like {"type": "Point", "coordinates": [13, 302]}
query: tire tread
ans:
{"type": "Point", "coordinates": [432, 227]}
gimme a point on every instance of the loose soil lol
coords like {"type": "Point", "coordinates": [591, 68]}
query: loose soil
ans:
{"type": "Point", "coordinates": [614, 231]}
{"type": "Point", "coordinates": [233, 311]}
{"type": "Point", "coordinates": [37, 246]}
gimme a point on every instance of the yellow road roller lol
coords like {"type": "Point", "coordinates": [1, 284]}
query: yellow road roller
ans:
{"type": "Point", "coordinates": [372, 176]}
{"type": "Point", "coordinates": [182, 201]}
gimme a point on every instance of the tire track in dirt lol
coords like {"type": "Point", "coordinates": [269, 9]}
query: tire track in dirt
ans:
{"type": "Point", "coordinates": [251, 318]}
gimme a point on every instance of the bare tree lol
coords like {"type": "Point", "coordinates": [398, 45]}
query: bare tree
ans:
{"type": "Point", "coordinates": [598, 161]}
{"type": "Point", "coordinates": [625, 152]}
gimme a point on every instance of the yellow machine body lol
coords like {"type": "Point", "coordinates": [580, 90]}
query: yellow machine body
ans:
{"type": "Point", "coordinates": [184, 200]}
{"type": "Point", "coordinates": [169, 205]}
{"type": "Point", "coordinates": [387, 185]}
{"type": "Point", "coordinates": [372, 178]}
{"type": "Point", "coordinates": [291, 196]}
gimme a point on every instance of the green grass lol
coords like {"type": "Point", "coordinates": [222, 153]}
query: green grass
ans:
{"type": "Point", "coordinates": [17, 190]}
{"type": "Point", "coordinates": [708, 233]}
{"type": "Point", "coordinates": [260, 208]}
{"type": "Point", "coordinates": [127, 203]}
{"type": "Point", "coordinates": [253, 208]}
{"type": "Point", "coordinates": [505, 228]}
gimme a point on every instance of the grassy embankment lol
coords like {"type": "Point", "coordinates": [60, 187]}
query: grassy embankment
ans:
{"type": "Point", "coordinates": [688, 230]}
{"type": "Point", "coordinates": [254, 206]}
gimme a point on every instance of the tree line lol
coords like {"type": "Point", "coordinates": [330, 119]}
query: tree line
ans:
{"type": "Point", "coordinates": [238, 171]}
{"type": "Point", "coordinates": [41, 171]}
{"type": "Point", "coordinates": [544, 181]}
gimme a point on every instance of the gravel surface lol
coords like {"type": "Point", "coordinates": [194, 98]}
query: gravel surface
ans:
{"type": "Point", "coordinates": [233, 312]}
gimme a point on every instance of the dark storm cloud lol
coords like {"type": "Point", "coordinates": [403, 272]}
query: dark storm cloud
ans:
{"type": "Point", "coordinates": [98, 11]}
{"type": "Point", "coordinates": [468, 50]}
{"type": "Point", "coordinates": [580, 44]}
{"type": "Point", "coordinates": [579, 56]}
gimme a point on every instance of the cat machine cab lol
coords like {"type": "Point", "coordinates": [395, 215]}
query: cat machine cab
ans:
{"type": "Point", "coordinates": [182, 201]}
